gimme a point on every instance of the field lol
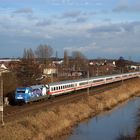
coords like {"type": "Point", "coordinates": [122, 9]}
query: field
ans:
{"type": "Point", "coordinates": [60, 120]}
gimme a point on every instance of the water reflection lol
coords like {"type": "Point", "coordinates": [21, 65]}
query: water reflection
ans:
{"type": "Point", "coordinates": [109, 125]}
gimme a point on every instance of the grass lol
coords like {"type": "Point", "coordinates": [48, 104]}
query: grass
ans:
{"type": "Point", "coordinates": [60, 120]}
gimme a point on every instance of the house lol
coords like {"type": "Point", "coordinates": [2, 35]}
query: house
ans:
{"type": "Point", "coordinates": [135, 67]}
{"type": "Point", "coordinates": [50, 70]}
{"type": "Point", "coordinates": [3, 67]}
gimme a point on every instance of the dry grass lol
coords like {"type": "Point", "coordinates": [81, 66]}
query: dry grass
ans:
{"type": "Point", "coordinates": [59, 121]}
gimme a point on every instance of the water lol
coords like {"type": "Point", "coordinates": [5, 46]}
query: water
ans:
{"type": "Point", "coordinates": [110, 125]}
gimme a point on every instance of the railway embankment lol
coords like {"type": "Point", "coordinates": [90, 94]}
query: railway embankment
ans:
{"type": "Point", "coordinates": [60, 120]}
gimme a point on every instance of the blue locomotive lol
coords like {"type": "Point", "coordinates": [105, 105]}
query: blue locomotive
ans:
{"type": "Point", "coordinates": [32, 93]}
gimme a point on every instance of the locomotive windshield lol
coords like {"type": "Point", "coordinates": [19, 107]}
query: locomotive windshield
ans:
{"type": "Point", "coordinates": [21, 91]}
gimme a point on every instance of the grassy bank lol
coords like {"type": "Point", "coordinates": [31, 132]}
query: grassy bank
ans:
{"type": "Point", "coordinates": [59, 120]}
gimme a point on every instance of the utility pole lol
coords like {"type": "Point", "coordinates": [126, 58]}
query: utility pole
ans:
{"type": "Point", "coordinates": [88, 83]}
{"type": "Point", "coordinates": [1, 96]}
{"type": "Point", "coordinates": [51, 76]}
{"type": "Point", "coordinates": [1, 99]}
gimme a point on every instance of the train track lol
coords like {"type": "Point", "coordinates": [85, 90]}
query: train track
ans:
{"type": "Point", "coordinates": [14, 112]}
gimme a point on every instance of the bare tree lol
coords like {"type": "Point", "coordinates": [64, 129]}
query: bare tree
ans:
{"type": "Point", "coordinates": [29, 69]}
{"type": "Point", "coordinates": [28, 54]}
{"type": "Point", "coordinates": [121, 64]}
{"type": "Point", "coordinates": [44, 52]}
{"type": "Point", "coordinates": [66, 58]}
{"type": "Point", "coordinates": [25, 54]}
{"type": "Point", "coordinates": [80, 61]}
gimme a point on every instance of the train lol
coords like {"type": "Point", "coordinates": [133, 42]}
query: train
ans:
{"type": "Point", "coordinates": [38, 92]}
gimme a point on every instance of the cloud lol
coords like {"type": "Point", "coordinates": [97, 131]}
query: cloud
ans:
{"type": "Point", "coordinates": [115, 28]}
{"type": "Point", "coordinates": [91, 38]}
{"type": "Point", "coordinates": [105, 28]}
{"type": "Point", "coordinates": [73, 2]}
{"type": "Point", "coordinates": [24, 11]}
{"type": "Point", "coordinates": [90, 47]}
{"type": "Point", "coordinates": [77, 14]}
{"type": "Point", "coordinates": [78, 20]}
{"type": "Point", "coordinates": [99, 3]}
{"type": "Point", "coordinates": [44, 23]}
{"type": "Point", "coordinates": [72, 17]}
{"type": "Point", "coordinates": [81, 19]}
{"type": "Point", "coordinates": [107, 20]}
{"type": "Point", "coordinates": [125, 6]}
{"type": "Point", "coordinates": [122, 6]}
{"type": "Point", "coordinates": [71, 14]}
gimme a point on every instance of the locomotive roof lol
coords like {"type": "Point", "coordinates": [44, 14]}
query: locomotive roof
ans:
{"type": "Point", "coordinates": [80, 80]}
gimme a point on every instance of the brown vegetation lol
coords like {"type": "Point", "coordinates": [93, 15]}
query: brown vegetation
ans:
{"type": "Point", "coordinates": [10, 82]}
{"type": "Point", "coordinates": [58, 121]}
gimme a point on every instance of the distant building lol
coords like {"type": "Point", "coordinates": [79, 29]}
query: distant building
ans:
{"type": "Point", "coordinates": [9, 60]}
{"type": "Point", "coordinates": [59, 62]}
{"type": "Point", "coordinates": [2, 66]}
{"type": "Point", "coordinates": [50, 70]}
{"type": "Point", "coordinates": [135, 67]}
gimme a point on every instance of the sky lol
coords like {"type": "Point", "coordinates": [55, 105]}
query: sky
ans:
{"type": "Point", "coordinates": [96, 28]}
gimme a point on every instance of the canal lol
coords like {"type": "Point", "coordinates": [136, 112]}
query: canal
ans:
{"type": "Point", "coordinates": [109, 125]}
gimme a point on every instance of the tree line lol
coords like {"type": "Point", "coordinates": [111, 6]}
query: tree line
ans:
{"type": "Point", "coordinates": [33, 62]}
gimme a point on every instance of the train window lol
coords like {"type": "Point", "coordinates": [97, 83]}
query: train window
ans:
{"type": "Point", "coordinates": [51, 89]}
{"type": "Point", "coordinates": [98, 80]}
{"type": "Point", "coordinates": [117, 77]}
{"type": "Point", "coordinates": [109, 79]}
{"type": "Point", "coordinates": [83, 83]}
